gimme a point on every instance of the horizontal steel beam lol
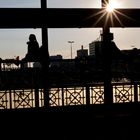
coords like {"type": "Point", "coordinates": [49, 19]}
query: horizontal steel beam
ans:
{"type": "Point", "coordinates": [67, 18]}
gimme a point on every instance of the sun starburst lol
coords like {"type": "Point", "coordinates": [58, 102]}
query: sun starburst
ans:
{"type": "Point", "coordinates": [109, 15]}
{"type": "Point", "coordinates": [112, 5]}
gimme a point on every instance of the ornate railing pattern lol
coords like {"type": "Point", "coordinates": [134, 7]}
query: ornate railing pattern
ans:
{"type": "Point", "coordinates": [4, 100]}
{"type": "Point", "coordinates": [123, 93]}
{"type": "Point", "coordinates": [10, 99]}
{"type": "Point", "coordinates": [56, 97]}
{"type": "Point", "coordinates": [97, 94]}
{"type": "Point", "coordinates": [41, 97]}
{"type": "Point", "coordinates": [23, 98]}
{"type": "Point", "coordinates": [67, 96]}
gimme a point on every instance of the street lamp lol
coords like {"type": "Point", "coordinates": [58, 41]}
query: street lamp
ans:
{"type": "Point", "coordinates": [71, 46]}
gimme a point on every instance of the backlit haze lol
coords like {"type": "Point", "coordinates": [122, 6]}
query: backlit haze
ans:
{"type": "Point", "coordinates": [13, 41]}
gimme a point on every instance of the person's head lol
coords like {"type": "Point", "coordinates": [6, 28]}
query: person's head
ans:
{"type": "Point", "coordinates": [32, 37]}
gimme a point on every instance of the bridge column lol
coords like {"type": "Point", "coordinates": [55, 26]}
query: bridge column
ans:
{"type": "Point", "coordinates": [106, 44]}
{"type": "Point", "coordinates": [45, 66]}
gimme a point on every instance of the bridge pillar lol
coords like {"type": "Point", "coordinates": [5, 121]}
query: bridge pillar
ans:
{"type": "Point", "coordinates": [106, 44]}
{"type": "Point", "coordinates": [45, 66]}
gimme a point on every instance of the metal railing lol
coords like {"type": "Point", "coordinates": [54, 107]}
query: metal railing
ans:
{"type": "Point", "coordinates": [22, 88]}
{"type": "Point", "coordinates": [68, 96]}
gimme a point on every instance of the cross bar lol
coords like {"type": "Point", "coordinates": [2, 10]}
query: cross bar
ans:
{"type": "Point", "coordinates": [66, 18]}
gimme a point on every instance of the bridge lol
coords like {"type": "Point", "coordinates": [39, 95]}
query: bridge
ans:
{"type": "Point", "coordinates": [57, 96]}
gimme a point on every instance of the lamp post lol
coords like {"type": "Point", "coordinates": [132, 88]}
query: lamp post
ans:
{"type": "Point", "coordinates": [71, 47]}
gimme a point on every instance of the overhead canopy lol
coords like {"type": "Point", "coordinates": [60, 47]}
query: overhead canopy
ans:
{"type": "Point", "coordinates": [66, 18]}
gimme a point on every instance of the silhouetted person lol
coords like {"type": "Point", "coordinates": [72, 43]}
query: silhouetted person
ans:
{"type": "Point", "coordinates": [33, 49]}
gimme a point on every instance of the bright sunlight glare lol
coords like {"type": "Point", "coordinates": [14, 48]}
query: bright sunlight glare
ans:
{"type": "Point", "coordinates": [112, 5]}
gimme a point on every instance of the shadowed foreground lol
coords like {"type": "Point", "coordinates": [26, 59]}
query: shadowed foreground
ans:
{"type": "Point", "coordinates": [118, 122]}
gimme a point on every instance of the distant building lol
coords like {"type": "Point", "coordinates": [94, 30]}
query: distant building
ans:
{"type": "Point", "coordinates": [56, 57]}
{"type": "Point", "coordinates": [132, 53]}
{"type": "Point", "coordinates": [95, 48]}
{"type": "Point", "coordinates": [82, 52]}
{"type": "Point", "coordinates": [129, 52]}
{"type": "Point", "coordinates": [55, 60]}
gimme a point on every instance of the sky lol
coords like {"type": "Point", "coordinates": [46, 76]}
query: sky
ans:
{"type": "Point", "coordinates": [13, 41]}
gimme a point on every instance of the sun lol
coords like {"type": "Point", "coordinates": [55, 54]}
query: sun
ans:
{"type": "Point", "coordinates": [112, 5]}
{"type": "Point", "coordinates": [109, 13]}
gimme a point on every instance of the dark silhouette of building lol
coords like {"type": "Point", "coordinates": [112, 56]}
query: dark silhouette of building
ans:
{"type": "Point", "coordinates": [82, 52]}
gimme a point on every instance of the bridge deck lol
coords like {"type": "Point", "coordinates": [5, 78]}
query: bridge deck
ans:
{"type": "Point", "coordinates": [96, 122]}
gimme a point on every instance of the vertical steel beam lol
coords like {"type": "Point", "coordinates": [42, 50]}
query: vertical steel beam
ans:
{"type": "Point", "coordinates": [106, 44]}
{"type": "Point", "coordinates": [44, 29]}
{"type": "Point", "coordinates": [45, 66]}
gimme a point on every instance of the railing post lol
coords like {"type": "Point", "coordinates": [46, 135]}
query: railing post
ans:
{"type": "Point", "coordinates": [10, 97]}
{"type": "Point", "coordinates": [87, 96]}
{"type": "Point", "coordinates": [63, 98]}
{"type": "Point", "coordinates": [135, 92]}
{"type": "Point", "coordinates": [36, 97]}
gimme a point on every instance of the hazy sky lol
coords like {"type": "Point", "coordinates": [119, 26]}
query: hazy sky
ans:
{"type": "Point", "coordinates": [13, 41]}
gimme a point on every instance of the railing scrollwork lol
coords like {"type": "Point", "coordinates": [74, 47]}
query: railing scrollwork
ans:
{"type": "Point", "coordinates": [67, 96]}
